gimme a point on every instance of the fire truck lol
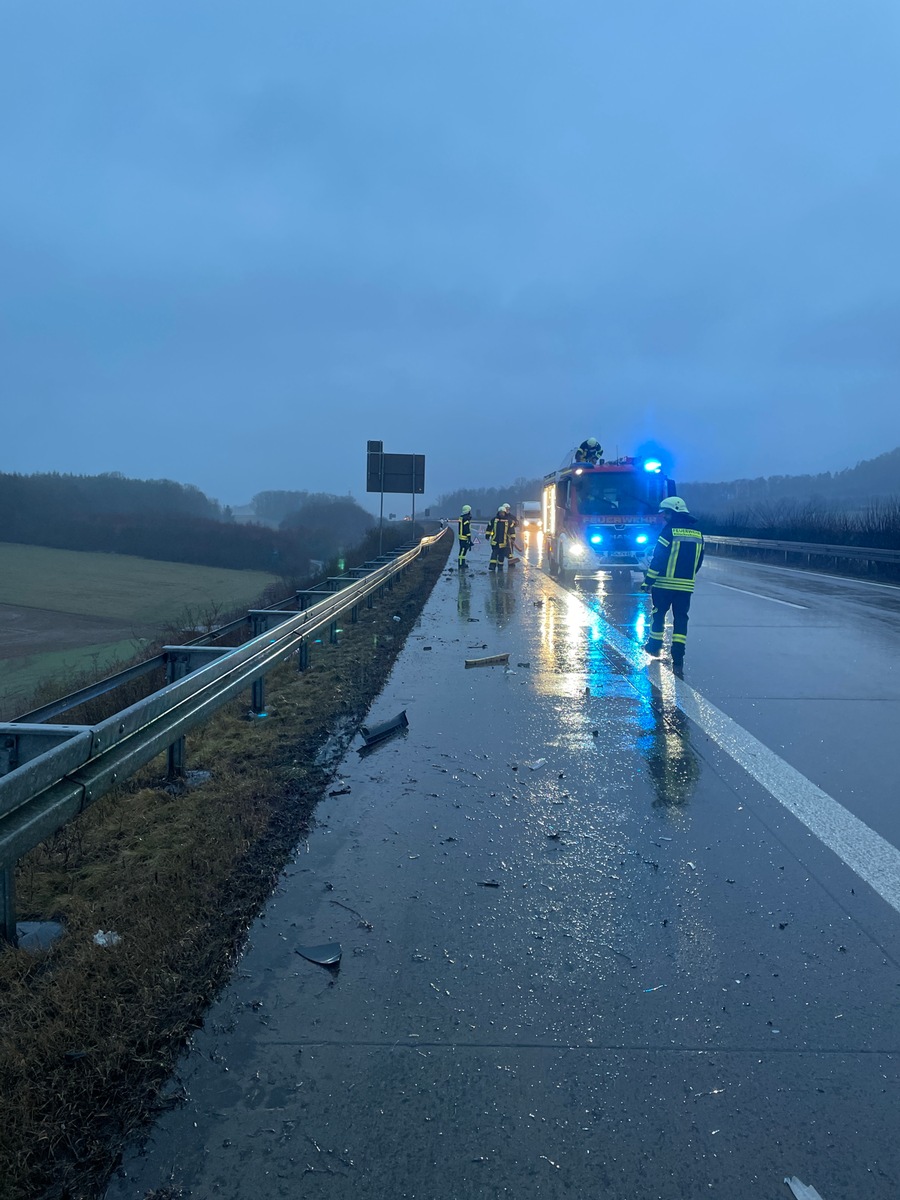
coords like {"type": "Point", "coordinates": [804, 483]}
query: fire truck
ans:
{"type": "Point", "coordinates": [603, 516]}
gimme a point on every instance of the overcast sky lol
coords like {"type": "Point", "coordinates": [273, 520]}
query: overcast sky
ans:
{"type": "Point", "coordinates": [239, 239]}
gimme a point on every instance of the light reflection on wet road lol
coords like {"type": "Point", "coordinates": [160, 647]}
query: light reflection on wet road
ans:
{"type": "Point", "coordinates": [674, 990]}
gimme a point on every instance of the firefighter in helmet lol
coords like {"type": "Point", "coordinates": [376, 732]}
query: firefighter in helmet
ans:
{"type": "Point", "coordinates": [671, 575]}
{"type": "Point", "coordinates": [589, 452]}
{"type": "Point", "coordinates": [499, 529]}
{"type": "Point", "coordinates": [465, 533]}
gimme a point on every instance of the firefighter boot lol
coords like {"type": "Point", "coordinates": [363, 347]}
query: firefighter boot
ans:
{"type": "Point", "coordinates": [653, 647]}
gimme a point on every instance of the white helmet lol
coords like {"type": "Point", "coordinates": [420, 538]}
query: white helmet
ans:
{"type": "Point", "coordinates": [592, 442]}
{"type": "Point", "coordinates": [673, 504]}
{"type": "Point", "coordinates": [504, 507]}
{"type": "Point", "coordinates": [467, 508]}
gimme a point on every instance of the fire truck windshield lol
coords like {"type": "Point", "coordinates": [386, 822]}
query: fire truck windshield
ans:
{"type": "Point", "coordinates": [626, 493]}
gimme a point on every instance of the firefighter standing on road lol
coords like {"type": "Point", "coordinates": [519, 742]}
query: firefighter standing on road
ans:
{"type": "Point", "coordinates": [671, 575]}
{"type": "Point", "coordinates": [465, 533]}
{"type": "Point", "coordinates": [498, 529]}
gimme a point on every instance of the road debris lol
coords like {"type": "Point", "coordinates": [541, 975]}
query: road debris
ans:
{"type": "Point", "coordinates": [363, 923]}
{"type": "Point", "coordinates": [536, 765]}
{"type": "Point", "coordinates": [373, 734]}
{"type": "Point", "coordinates": [802, 1191]}
{"type": "Point", "coordinates": [488, 883]}
{"type": "Point", "coordinates": [656, 988]}
{"type": "Point", "coordinates": [492, 660]}
{"type": "Point", "coordinates": [328, 955]}
{"type": "Point", "coordinates": [106, 937]}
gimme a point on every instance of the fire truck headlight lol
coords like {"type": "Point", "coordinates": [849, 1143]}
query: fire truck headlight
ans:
{"type": "Point", "coordinates": [641, 539]}
{"type": "Point", "coordinates": [576, 549]}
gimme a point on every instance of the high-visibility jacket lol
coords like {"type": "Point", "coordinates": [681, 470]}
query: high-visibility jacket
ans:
{"type": "Point", "coordinates": [465, 528]}
{"type": "Point", "coordinates": [677, 556]}
{"type": "Point", "coordinates": [499, 529]}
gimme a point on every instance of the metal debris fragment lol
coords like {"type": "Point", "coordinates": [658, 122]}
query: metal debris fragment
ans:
{"type": "Point", "coordinates": [328, 955]}
{"type": "Point", "coordinates": [802, 1191]}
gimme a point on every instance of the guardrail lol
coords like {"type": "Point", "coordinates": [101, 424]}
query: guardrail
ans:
{"type": "Point", "coordinates": [49, 774]}
{"type": "Point", "coordinates": [810, 549]}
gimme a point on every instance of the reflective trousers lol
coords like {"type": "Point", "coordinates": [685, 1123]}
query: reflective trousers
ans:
{"type": "Point", "coordinates": [499, 554]}
{"type": "Point", "coordinates": [679, 602]}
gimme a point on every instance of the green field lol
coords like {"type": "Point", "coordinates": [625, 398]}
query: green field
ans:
{"type": "Point", "coordinates": [72, 612]}
{"type": "Point", "coordinates": [118, 586]}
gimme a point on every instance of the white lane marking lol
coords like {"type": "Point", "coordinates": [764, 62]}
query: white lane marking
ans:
{"type": "Point", "coordinates": [866, 852]}
{"type": "Point", "coordinates": [848, 579]}
{"type": "Point", "coordinates": [759, 595]}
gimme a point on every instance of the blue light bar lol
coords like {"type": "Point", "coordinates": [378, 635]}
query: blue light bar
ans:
{"type": "Point", "coordinates": [641, 539]}
{"type": "Point", "coordinates": [652, 464]}
{"type": "Point", "coordinates": [596, 539]}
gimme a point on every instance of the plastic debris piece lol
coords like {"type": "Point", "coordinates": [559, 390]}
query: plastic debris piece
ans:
{"type": "Point", "coordinates": [375, 733]}
{"type": "Point", "coordinates": [395, 617]}
{"type": "Point", "coordinates": [655, 989]}
{"type": "Point", "coordinates": [427, 647]}
{"type": "Point", "coordinates": [328, 955]}
{"type": "Point", "coordinates": [802, 1191]}
{"type": "Point", "coordinates": [528, 664]}
{"type": "Point", "coordinates": [106, 937]}
{"type": "Point", "coordinates": [488, 883]}
{"type": "Point", "coordinates": [536, 765]}
{"type": "Point", "coordinates": [492, 660]}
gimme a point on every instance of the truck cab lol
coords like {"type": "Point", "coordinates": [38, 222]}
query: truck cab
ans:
{"type": "Point", "coordinates": [603, 517]}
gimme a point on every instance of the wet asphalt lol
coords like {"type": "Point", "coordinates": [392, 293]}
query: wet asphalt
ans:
{"type": "Point", "coordinates": [674, 990]}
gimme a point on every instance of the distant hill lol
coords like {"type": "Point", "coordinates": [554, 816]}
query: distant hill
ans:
{"type": "Point", "coordinates": [874, 479]}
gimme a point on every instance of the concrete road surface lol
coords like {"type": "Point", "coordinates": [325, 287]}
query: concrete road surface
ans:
{"type": "Point", "coordinates": [685, 982]}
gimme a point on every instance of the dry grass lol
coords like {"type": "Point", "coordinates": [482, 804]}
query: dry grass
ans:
{"type": "Point", "coordinates": [89, 1035]}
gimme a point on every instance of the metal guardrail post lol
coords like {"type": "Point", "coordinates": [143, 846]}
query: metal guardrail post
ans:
{"type": "Point", "coordinates": [8, 906]}
{"type": "Point", "coordinates": [258, 690]}
{"type": "Point", "coordinates": [176, 668]}
{"type": "Point", "coordinates": [333, 633]}
{"type": "Point", "coordinates": [303, 655]}
{"type": "Point", "coordinates": [354, 614]}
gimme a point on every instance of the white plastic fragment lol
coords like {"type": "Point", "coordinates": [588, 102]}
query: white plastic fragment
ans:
{"type": "Point", "coordinates": [536, 765]}
{"type": "Point", "coordinates": [802, 1191]}
{"type": "Point", "coordinates": [106, 937]}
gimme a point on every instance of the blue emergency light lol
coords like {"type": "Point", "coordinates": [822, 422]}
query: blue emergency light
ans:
{"type": "Point", "coordinates": [641, 539]}
{"type": "Point", "coordinates": [596, 539]}
{"type": "Point", "coordinates": [652, 464]}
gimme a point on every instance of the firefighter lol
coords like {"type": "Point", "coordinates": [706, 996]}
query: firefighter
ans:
{"type": "Point", "coordinates": [671, 575]}
{"type": "Point", "coordinates": [590, 452]}
{"type": "Point", "coordinates": [499, 528]}
{"type": "Point", "coordinates": [465, 533]}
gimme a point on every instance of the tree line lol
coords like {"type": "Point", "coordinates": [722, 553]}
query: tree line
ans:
{"type": "Point", "coordinates": [174, 522]}
{"type": "Point", "coordinates": [853, 489]}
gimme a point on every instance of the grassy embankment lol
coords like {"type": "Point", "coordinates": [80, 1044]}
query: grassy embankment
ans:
{"type": "Point", "coordinates": [97, 611]}
{"type": "Point", "coordinates": [89, 1035]}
